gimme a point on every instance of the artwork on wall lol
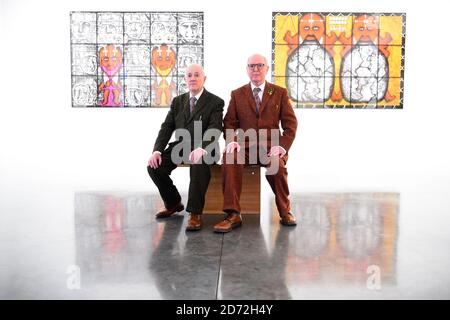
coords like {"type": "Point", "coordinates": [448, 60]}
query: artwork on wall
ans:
{"type": "Point", "coordinates": [132, 59]}
{"type": "Point", "coordinates": [340, 60]}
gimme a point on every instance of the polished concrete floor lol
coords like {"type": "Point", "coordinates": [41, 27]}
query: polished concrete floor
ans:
{"type": "Point", "coordinates": [338, 239]}
{"type": "Point", "coordinates": [345, 246]}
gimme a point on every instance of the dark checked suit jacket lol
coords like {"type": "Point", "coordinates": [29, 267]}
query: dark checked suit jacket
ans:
{"type": "Point", "coordinates": [208, 110]}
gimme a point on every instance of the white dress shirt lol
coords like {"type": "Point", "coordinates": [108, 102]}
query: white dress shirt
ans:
{"type": "Point", "coordinates": [261, 93]}
{"type": "Point", "coordinates": [197, 96]}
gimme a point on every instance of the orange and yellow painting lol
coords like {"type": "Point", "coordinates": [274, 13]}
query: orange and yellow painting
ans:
{"type": "Point", "coordinates": [340, 60]}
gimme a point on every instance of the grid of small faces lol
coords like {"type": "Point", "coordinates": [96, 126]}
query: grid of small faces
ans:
{"type": "Point", "coordinates": [132, 59]}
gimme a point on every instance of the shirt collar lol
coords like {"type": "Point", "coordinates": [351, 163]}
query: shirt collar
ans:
{"type": "Point", "coordinates": [261, 86]}
{"type": "Point", "coordinates": [197, 96]}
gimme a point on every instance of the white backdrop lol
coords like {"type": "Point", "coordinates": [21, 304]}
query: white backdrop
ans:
{"type": "Point", "coordinates": [49, 150]}
{"type": "Point", "coordinates": [46, 142]}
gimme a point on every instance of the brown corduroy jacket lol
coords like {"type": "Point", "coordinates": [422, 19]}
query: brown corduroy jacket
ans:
{"type": "Point", "coordinates": [275, 109]}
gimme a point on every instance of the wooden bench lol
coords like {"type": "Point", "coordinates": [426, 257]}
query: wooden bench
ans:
{"type": "Point", "coordinates": [250, 196]}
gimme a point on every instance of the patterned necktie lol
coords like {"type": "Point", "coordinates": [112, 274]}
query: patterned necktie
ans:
{"type": "Point", "coordinates": [192, 101]}
{"type": "Point", "coordinates": [257, 99]}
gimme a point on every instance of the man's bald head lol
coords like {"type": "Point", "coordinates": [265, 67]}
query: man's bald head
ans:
{"type": "Point", "coordinates": [257, 68]}
{"type": "Point", "coordinates": [257, 57]}
{"type": "Point", "coordinates": [195, 68]}
{"type": "Point", "coordinates": [195, 78]}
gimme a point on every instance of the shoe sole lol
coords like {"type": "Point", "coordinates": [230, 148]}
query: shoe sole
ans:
{"type": "Point", "coordinates": [179, 209]}
{"type": "Point", "coordinates": [290, 224]}
{"type": "Point", "coordinates": [194, 229]}
{"type": "Point", "coordinates": [228, 230]}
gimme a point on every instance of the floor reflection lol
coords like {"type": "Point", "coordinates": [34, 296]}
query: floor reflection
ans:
{"type": "Point", "coordinates": [185, 265]}
{"type": "Point", "coordinates": [119, 242]}
{"type": "Point", "coordinates": [340, 240]}
{"type": "Point", "coordinates": [342, 237]}
{"type": "Point", "coordinates": [249, 270]}
{"type": "Point", "coordinates": [114, 237]}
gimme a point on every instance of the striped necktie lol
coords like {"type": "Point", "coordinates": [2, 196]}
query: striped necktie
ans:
{"type": "Point", "coordinates": [257, 99]}
{"type": "Point", "coordinates": [192, 101]}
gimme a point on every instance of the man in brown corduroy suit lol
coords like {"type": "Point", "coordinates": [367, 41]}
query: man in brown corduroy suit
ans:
{"type": "Point", "coordinates": [259, 106]}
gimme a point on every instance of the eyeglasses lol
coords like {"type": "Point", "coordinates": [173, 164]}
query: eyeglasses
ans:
{"type": "Point", "coordinates": [252, 66]}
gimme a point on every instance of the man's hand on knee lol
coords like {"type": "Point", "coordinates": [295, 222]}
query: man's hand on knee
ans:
{"type": "Point", "coordinates": [232, 146]}
{"type": "Point", "coordinates": [277, 151]}
{"type": "Point", "coordinates": [155, 160]}
{"type": "Point", "coordinates": [196, 154]}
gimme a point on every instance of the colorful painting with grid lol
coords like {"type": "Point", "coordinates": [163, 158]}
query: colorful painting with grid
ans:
{"type": "Point", "coordinates": [132, 59]}
{"type": "Point", "coordinates": [340, 60]}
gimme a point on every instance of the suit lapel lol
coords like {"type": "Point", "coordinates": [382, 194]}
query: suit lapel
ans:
{"type": "Point", "coordinates": [186, 111]}
{"type": "Point", "coordinates": [266, 96]}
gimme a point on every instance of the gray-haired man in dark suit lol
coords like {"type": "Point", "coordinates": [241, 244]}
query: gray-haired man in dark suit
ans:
{"type": "Point", "coordinates": [206, 110]}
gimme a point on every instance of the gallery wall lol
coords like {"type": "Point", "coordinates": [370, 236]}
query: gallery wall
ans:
{"type": "Point", "coordinates": [46, 142]}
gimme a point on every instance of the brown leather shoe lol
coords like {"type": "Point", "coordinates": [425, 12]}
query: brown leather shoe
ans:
{"type": "Point", "coordinates": [168, 212]}
{"type": "Point", "coordinates": [232, 221]}
{"type": "Point", "coordinates": [288, 220]}
{"type": "Point", "coordinates": [195, 222]}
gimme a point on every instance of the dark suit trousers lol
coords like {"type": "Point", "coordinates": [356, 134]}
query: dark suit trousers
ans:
{"type": "Point", "coordinates": [200, 174]}
{"type": "Point", "coordinates": [232, 183]}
